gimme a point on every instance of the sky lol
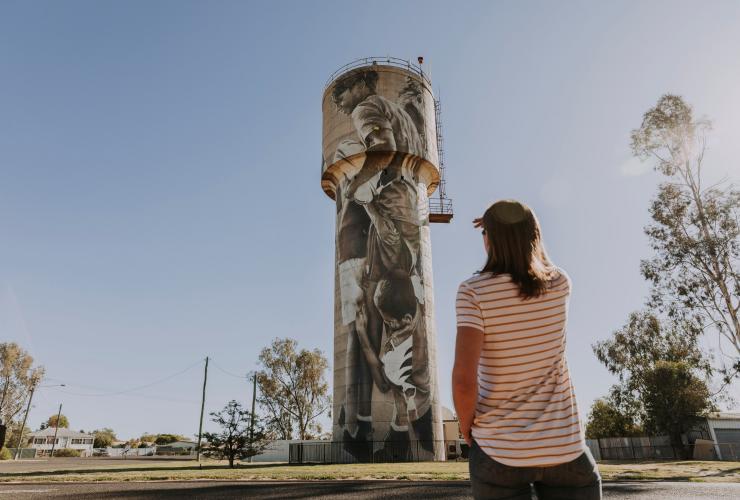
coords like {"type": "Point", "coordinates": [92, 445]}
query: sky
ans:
{"type": "Point", "coordinates": [160, 195]}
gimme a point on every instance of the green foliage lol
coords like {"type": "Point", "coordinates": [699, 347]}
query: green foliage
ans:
{"type": "Point", "coordinates": [168, 438]}
{"type": "Point", "coordinates": [233, 441]}
{"type": "Point", "coordinates": [675, 399]}
{"type": "Point", "coordinates": [609, 418]}
{"type": "Point", "coordinates": [5, 454]}
{"type": "Point", "coordinates": [695, 234]}
{"type": "Point", "coordinates": [17, 376]}
{"type": "Point", "coordinates": [66, 452]}
{"type": "Point", "coordinates": [293, 390]}
{"type": "Point", "coordinates": [103, 438]}
{"type": "Point", "coordinates": [635, 353]}
{"type": "Point", "coordinates": [643, 341]}
{"type": "Point", "coordinates": [11, 439]}
{"type": "Point", "coordinates": [52, 422]}
{"type": "Point", "coordinates": [162, 438]}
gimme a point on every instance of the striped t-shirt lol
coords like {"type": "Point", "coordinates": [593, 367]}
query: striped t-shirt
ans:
{"type": "Point", "coordinates": [526, 414]}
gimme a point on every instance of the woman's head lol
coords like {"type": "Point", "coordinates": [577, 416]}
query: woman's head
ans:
{"type": "Point", "coordinates": [513, 241]}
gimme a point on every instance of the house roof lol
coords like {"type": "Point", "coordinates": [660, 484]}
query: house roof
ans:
{"type": "Point", "coordinates": [447, 414]}
{"type": "Point", "coordinates": [49, 432]}
{"type": "Point", "coordinates": [724, 415]}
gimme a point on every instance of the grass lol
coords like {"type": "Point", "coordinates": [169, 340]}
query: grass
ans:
{"type": "Point", "coordinates": [140, 470]}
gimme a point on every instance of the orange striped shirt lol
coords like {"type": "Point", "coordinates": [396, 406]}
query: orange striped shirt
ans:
{"type": "Point", "coordinates": [526, 414]}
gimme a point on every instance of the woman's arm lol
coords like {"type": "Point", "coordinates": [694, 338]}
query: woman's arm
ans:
{"type": "Point", "coordinates": [468, 348]}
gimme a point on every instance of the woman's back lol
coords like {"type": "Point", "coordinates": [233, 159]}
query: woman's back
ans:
{"type": "Point", "coordinates": [526, 414]}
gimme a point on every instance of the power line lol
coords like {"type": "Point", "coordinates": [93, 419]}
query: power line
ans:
{"type": "Point", "coordinates": [133, 395]}
{"type": "Point", "coordinates": [230, 374]}
{"type": "Point", "coordinates": [133, 389]}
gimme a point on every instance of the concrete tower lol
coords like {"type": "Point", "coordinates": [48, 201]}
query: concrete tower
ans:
{"type": "Point", "coordinates": [380, 164]}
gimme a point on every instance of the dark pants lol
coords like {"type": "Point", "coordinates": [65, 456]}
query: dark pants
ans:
{"type": "Point", "coordinates": [576, 480]}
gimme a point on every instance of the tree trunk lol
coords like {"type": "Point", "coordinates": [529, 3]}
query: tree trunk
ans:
{"type": "Point", "coordinates": [678, 446]}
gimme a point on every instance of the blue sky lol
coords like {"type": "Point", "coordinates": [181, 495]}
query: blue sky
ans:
{"type": "Point", "coordinates": [159, 174]}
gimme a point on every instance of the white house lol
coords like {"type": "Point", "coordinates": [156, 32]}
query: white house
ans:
{"type": "Point", "coordinates": [43, 441]}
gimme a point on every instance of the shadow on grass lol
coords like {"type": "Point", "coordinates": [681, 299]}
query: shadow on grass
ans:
{"type": "Point", "coordinates": [290, 490]}
{"type": "Point", "coordinates": [106, 470]}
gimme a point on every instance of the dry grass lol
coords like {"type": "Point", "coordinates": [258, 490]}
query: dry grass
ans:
{"type": "Point", "coordinates": [140, 470]}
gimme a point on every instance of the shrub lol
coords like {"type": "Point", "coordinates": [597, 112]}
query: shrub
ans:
{"type": "Point", "coordinates": [5, 454]}
{"type": "Point", "coordinates": [66, 452]}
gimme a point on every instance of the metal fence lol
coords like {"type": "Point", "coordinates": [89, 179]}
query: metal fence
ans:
{"type": "Point", "coordinates": [25, 453]}
{"type": "Point", "coordinates": [645, 448]}
{"type": "Point", "coordinates": [124, 452]}
{"type": "Point", "coordinates": [660, 448]}
{"type": "Point", "coordinates": [337, 452]}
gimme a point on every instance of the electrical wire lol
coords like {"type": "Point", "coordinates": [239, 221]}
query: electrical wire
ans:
{"type": "Point", "coordinates": [223, 370]}
{"type": "Point", "coordinates": [133, 389]}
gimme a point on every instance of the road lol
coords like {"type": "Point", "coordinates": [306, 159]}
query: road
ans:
{"type": "Point", "coordinates": [330, 490]}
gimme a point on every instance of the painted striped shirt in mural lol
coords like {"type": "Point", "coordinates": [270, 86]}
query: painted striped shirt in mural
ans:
{"type": "Point", "coordinates": [526, 414]}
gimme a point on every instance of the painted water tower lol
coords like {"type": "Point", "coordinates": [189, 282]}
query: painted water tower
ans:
{"type": "Point", "coordinates": [382, 160]}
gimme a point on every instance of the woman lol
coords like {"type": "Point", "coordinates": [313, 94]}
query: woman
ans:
{"type": "Point", "coordinates": [511, 386]}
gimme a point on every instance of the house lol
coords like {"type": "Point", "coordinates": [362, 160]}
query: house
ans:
{"type": "Point", "coordinates": [724, 429]}
{"type": "Point", "coordinates": [43, 441]}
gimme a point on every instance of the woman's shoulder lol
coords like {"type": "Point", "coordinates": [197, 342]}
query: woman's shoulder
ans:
{"type": "Point", "coordinates": [484, 279]}
{"type": "Point", "coordinates": [559, 278]}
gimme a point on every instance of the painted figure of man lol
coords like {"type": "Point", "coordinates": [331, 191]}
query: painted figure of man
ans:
{"type": "Point", "coordinates": [377, 208]}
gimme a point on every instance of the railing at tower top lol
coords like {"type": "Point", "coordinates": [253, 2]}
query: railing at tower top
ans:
{"type": "Point", "coordinates": [385, 61]}
{"type": "Point", "coordinates": [440, 206]}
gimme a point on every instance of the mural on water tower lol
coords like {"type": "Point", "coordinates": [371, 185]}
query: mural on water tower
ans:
{"type": "Point", "coordinates": [384, 382]}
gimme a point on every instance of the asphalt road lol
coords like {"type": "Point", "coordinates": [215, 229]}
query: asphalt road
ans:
{"type": "Point", "coordinates": [372, 490]}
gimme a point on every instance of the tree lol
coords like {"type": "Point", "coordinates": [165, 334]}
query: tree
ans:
{"type": "Point", "coordinates": [161, 438]}
{"type": "Point", "coordinates": [609, 418]}
{"type": "Point", "coordinates": [636, 353]}
{"type": "Point", "coordinates": [103, 438]}
{"type": "Point", "coordinates": [17, 376]}
{"type": "Point", "coordinates": [52, 422]}
{"type": "Point", "coordinates": [675, 400]}
{"type": "Point", "coordinates": [14, 434]}
{"type": "Point", "coordinates": [293, 390]}
{"type": "Point", "coordinates": [643, 341]}
{"type": "Point", "coordinates": [233, 441]}
{"type": "Point", "coordinates": [695, 273]}
{"type": "Point", "coordinates": [168, 438]}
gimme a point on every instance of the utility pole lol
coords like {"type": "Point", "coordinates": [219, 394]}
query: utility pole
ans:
{"type": "Point", "coordinates": [56, 429]}
{"type": "Point", "coordinates": [251, 420]}
{"type": "Point", "coordinates": [202, 407]}
{"type": "Point", "coordinates": [23, 425]}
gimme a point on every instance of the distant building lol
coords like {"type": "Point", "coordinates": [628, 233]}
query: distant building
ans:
{"type": "Point", "coordinates": [43, 441]}
{"type": "Point", "coordinates": [724, 429]}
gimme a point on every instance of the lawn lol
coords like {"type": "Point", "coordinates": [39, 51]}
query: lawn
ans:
{"type": "Point", "coordinates": [143, 470]}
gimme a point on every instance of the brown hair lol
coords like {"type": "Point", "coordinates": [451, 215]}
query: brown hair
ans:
{"type": "Point", "coordinates": [515, 247]}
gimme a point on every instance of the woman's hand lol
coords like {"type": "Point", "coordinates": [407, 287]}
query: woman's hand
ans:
{"type": "Point", "coordinates": [468, 347]}
{"type": "Point", "coordinates": [478, 222]}
{"type": "Point", "coordinates": [466, 432]}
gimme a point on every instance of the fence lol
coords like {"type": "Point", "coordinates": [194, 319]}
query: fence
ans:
{"type": "Point", "coordinates": [25, 454]}
{"type": "Point", "coordinates": [123, 452]}
{"type": "Point", "coordinates": [337, 452]}
{"type": "Point", "coordinates": [660, 448]}
{"type": "Point", "coordinates": [642, 448]}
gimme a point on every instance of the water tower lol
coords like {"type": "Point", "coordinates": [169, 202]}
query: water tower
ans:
{"type": "Point", "coordinates": [382, 161]}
